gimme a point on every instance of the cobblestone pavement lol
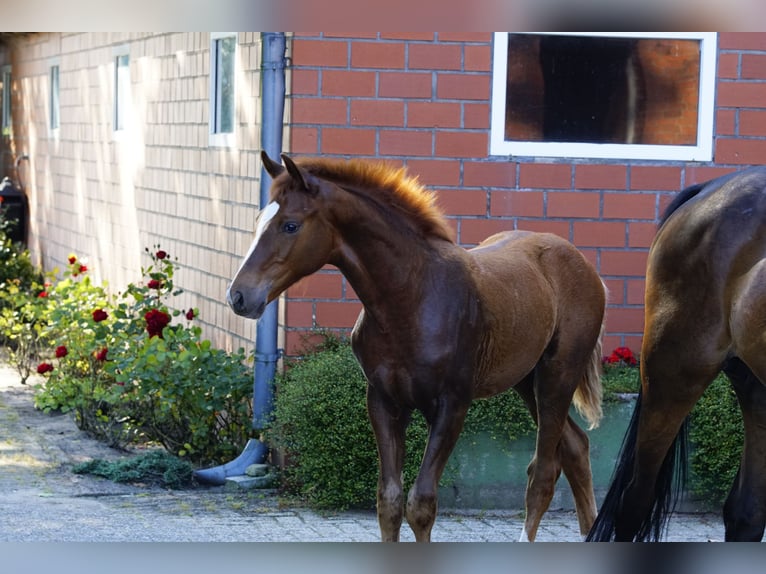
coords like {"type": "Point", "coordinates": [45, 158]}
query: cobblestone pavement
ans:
{"type": "Point", "coordinates": [43, 501]}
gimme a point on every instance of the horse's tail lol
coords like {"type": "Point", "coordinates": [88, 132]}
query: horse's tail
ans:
{"type": "Point", "coordinates": [667, 490]}
{"type": "Point", "coordinates": [587, 396]}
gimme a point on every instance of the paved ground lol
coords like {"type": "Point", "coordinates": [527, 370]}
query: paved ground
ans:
{"type": "Point", "coordinates": [43, 501]}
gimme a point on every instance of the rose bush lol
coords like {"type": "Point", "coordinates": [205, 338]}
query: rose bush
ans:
{"type": "Point", "coordinates": [128, 371]}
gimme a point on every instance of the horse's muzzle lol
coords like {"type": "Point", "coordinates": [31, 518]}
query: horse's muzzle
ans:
{"type": "Point", "coordinates": [240, 305]}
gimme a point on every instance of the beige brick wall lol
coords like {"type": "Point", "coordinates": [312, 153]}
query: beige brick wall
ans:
{"type": "Point", "coordinates": [107, 198]}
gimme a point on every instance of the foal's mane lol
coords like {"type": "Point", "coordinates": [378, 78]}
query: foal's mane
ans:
{"type": "Point", "coordinates": [386, 185]}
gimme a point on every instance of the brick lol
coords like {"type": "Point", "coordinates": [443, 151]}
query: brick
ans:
{"type": "Point", "coordinates": [741, 41]}
{"type": "Point", "coordinates": [752, 123]}
{"type": "Point", "coordinates": [573, 204]}
{"type": "Point", "coordinates": [319, 111]}
{"type": "Point", "coordinates": [404, 85]}
{"type": "Point", "coordinates": [406, 143]}
{"type": "Point", "coordinates": [322, 53]}
{"type": "Point", "coordinates": [625, 319]}
{"type": "Point", "coordinates": [337, 314]}
{"type": "Point", "coordinates": [423, 36]}
{"type": "Point", "coordinates": [546, 176]}
{"type": "Point", "coordinates": [598, 234]}
{"type": "Point", "coordinates": [318, 286]}
{"type": "Point", "coordinates": [474, 231]}
{"type": "Point", "coordinates": [299, 341]}
{"type": "Point", "coordinates": [611, 342]}
{"type": "Point", "coordinates": [478, 58]}
{"type": "Point", "coordinates": [740, 151]}
{"type": "Point", "coordinates": [741, 95]}
{"type": "Point", "coordinates": [462, 144]}
{"type": "Point", "coordinates": [593, 176]}
{"type": "Point", "coordinates": [641, 234]}
{"type": "Point", "coordinates": [753, 66]}
{"type": "Point", "coordinates": [435, 172]}
{"type": "Point", "coordinates": [489, 174]}
{"type": "Point", "coordinates": [304, 140]}
{"type": "Point", "coordinates": [462, 86]}
{"type": "Point", "coordinates": [630, 206]}
{"type": "Point", "coordinates": [462, 201]}
{"type": "Point", "coordinates": [633, 342]}
{"type": "Point", "coordinates": [560, 228]}
{"type": "Point", "coordinates": [433, 115]}
{"type": "Point", "coordinates": [435, 57]}
{"type": "Point", "coordinates": [635, 291]}
{"type": "Point", "coordinates": [305, 82]}
{"type": "Point", "coordinates": [465, 37]}
{"type": "Point", "coordinates": [299, 314]}
{"type": "Point", "coordinates": [350, 83]}
{"type": "Point", "coordinates": [728, 66]}
{"type": "Point", "coordinates": [476, 116]}
{"type": "Point", "coordinates": [702, 174]}
{"type": "Point", "coordinates": [381, 55]}
{"type": "Point", "coordinates": [726, 122]}
{"type": "Point", "coordinates": [377, 113]}
{"type": "Point", "coordinates": [616, 291]}
{"type": "Point", "coordinates": [348, 141]}
{"type": "Point", "coordinates": [516, 204]}
{"type": "Point", "coordinates": [655, 178]}
{"type": "Point", "coordinates": [626, 263]}
{"type": "Point", "coordinates": [355, 35]}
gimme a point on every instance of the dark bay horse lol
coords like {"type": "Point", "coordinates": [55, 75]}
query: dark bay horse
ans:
{"type": "Point", "coordinates": [705, 312]}
{"type": "Point", "coordinates": [440, 325]}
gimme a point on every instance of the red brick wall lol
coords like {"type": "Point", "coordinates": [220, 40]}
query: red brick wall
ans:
{"type": "Point", "coordinates": [423, 100]}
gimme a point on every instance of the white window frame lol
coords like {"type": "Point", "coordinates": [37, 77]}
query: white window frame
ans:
{"type": "Point", "coordinates": [121, 103]}
{"type": "Point", "coordinates": [217, 137]}
{"type": "Point", "coordinates": [54, 98]}
{"type": "Point", "coordinates": [702, 151]}
{"type": "Point", "coordinates": [6, 115]}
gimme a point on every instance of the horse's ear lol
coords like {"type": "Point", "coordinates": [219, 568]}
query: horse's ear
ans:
{"type": "Point", "coordinates": [299, 176]}
{"type": "Point", "coordinates": [272, 167]}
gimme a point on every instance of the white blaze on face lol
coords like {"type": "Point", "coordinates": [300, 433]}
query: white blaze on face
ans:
{"type": "Point", "coordinates": [264, 218]}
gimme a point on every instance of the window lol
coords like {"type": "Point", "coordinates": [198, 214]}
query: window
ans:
{"type": "Point", "coordinates": [121, 91]}
{"type": "Point", "coordinates": [7, 120]}
{"type": "Point", "coordinates": [54, 98]}
{"type": "Point", "coordinates": [222, 103]}
{"type": "Point", "coordinates": [631, 95]}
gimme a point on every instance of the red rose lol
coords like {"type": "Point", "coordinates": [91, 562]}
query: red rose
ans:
{"type": "Point", "coordinates": [43, 368]}
{"type": "Point", "coordinates": [101, 355]}
{"type": "Point", "coordinates": [190, 314]}
{"type": "Point", "coordinates": [99, 315]}
{"type": "Point", "coordinates": [61, 351]}
{"type": "Point", "coordinates": [83, 268]}
{"type": "Point", "coordinates": [161, 254]}
{"type": "Point", "coordinates": [156, 321]}
{"type": "Point", "coordinates": [72, 259]}
{"type": "Point", "coordinates": [154, 284]}
{"type": "Point", "coordinates": [43, 294]}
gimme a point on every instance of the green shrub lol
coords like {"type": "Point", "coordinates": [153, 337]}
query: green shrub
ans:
{"type": "Point", "coordinates": [154, 468]}
{"type": "Point", "coordinates": [716, 433]}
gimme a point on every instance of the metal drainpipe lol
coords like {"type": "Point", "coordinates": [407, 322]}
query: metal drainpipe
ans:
{"type": "Point", "coordinates": [266, 350]}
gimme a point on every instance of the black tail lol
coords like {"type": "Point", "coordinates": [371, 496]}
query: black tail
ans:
{"type": "Point", "coordinates": [669, 486]}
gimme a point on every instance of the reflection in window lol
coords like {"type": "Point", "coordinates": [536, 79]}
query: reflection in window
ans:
{"type": "Point", "coordinates": [54, 103]}
{"type": "Point", "coordinates": [222, 68]}
{"type": "Point", "coordinates": [604, 95]}
{"type": "Point", "coordinates": [121, 91]}
{"type": "Point", "coordinates": [7, 126]}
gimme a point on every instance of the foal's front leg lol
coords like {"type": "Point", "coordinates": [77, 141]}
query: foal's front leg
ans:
{"type": "Point", "coordinates": [444, 430]}
{"type": "Point", "coordinates": [389, 425]}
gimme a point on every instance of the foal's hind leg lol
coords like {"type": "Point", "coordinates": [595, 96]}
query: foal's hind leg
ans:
{"type": "Point", "coordinates": [573, 457]}
{"type": "Point", "coordinates": [745, 509]}
{"type": "Point", "coordinates": [389, 425]}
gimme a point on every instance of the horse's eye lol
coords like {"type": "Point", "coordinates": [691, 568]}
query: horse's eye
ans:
{"type": "Point", "coordinates": [290, 227]}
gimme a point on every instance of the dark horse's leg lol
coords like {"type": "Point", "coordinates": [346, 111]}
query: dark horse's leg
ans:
{"type": "Point", "coordinates": [573, 458]}
{"type": "Point", "coordinates": [389, 423]}
{"type": "Point", "coordinates": [445, 425]}
{"type": "Point", "coordinates": [745, 510]}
